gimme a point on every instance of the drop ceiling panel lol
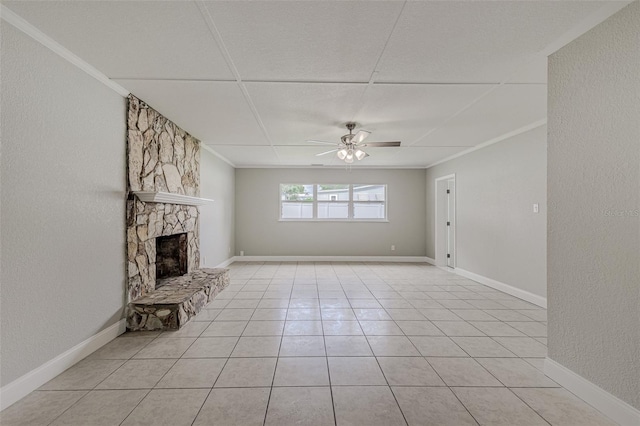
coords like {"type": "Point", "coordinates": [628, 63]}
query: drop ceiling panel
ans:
{"type": "Point", "coordinates": [305, 155]}
{"type": "Point", "coordinates": [484, 41]}
{"type": "Point", "coordinates": [214, 112]}
{"type": "Point", "coordinates": [305, 41]}
{"type": "Point", "coordinates": [504, 110]}
{"type": "Point", "coordinates": [412, 156]}
{"type": "Point", "coordinates": [406, 112]}
{"type": "Point", "coordinates": [295, 112]}
{"type": "Point", "coordinates": [248, 156]}
{"type": "Point", "coordinates": [131, 39]}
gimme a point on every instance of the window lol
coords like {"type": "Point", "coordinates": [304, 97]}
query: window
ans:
{"type": "Point", "coordinates": [296, 201]}
{"type": "Point", "coordinates": [333, 202]}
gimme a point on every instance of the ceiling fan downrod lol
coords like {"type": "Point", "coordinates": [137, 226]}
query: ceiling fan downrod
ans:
{"type": "Point", "coordinates": [346, 139]}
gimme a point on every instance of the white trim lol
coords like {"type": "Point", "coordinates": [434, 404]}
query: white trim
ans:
{"type": "Point", "coordinates": [447, 177]}
{"type": "Point", "coordinates": [506, 288]}
{"type": "Point", "coordinates": [336, 220]}
{"type": "Point", "coordinates": [390, 259]}
{"type": "Point", "coordinates": [323, 166]}
{"type": "Point", "coordinates": [170, 198]}
{"type": "Point", "coordinates": [224, 264]}
{"type": "Point", "coordinates": [31, 381]}
{"type": "Point", "coordinates": [21, 24]}
{"type": "Point", "coordinates": [430, 261]}
{"type": "Point", "coordinates": [435, 216]}
{"type": "Point", "coordinates": [212, 151]}
{"type": "Point", "coordinates": [609, 405]}
{"type": "Point", "coordinates": [505, 136]}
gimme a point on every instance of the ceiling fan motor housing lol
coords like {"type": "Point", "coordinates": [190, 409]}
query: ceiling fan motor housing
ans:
{"type": "Point", "coordinates": [346, 139]}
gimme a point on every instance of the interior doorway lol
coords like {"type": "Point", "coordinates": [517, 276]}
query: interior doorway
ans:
{"type": "Point", "coordinates": [445, 221]}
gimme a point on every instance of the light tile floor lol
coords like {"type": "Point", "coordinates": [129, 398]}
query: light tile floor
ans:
{"type": "Point", "coordinates": [324, 343]}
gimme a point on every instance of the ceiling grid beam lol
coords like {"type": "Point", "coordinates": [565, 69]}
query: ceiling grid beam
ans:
{"type": "Point", "coordinates": [217, 37]}
{"type": "Point", "coordinates": [376, 71]}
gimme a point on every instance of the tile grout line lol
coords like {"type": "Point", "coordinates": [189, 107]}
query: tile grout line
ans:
{"type": "Point", "coordinates": [98, 384]}
{"type": "Point", "coordinates": [221, 370]}
{"type": "Point", "coordinates": [326, 360]}
{"type": "Point", "coordinates": [378, 362]}
{"type": "Point", "coordinates": [266, 411]}
{"type": "Point", "coordinates": [440, 377]}
{"type": "Point", "coordinates": [218, 376]}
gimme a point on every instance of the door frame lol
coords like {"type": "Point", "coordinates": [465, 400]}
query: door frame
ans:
{"type": "Point", "coordinates": [440, 202]}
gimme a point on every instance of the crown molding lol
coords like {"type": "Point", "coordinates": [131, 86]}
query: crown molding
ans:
{"type": "Point", "coordinates": [212, 151]}
{"type": "Point", "coordinates": [500, 138]}
{"type": "Point", "coordinates": [21, 24]}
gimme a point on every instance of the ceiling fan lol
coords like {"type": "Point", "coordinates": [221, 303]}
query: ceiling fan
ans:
{"type": "Point", "coordinates": [350, 145]}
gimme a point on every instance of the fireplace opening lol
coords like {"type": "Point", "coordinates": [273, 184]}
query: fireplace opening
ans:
{"type": "Point", "coordinates": [171, 256]}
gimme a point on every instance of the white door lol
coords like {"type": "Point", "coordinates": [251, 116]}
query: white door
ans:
{"type": "Point", "coordinates": [451, 217]}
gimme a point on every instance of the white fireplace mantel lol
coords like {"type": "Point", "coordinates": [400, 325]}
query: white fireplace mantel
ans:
{"type": "Point", "coordinates": [169, 198]}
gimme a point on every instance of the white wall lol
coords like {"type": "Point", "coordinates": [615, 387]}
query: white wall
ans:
{"type": "Point", "coordinates": [594, 202]}
{"type": "Point", "coordinates": [260, 233]}
{"type": "Point", "coordinates": [217, 220]}
{"type": "Point", "coordinates": [498, 236]}
{"type": "Point", "coordinates": [62, 205]}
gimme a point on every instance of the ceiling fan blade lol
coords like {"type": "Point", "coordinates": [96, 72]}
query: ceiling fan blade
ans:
{"type": "Point", "coordinates": [321, 142]}
{"type": "Point", "coordinates": [360, 136]}
{"type": "Point", "coordinates": [382, 144]}
{"type": "Point", "coordinates": [327, 152]}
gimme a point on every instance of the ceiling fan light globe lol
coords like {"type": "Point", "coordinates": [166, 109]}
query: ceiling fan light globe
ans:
{"type": "Point", "coordinates": [342, 154]}
{"type": "Point", "coordinates": [360, 154]}
{"type": "Point", "coordinates": [348, 159]}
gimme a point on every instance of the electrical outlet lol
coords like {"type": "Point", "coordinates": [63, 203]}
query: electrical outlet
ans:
{"type": "Point", "coordinates": [204, 260]}
{"type": "Point", "coordinates": [229, 250]}
{"type": "Point", "coordinates": [241, 252]}
{"type": "Point", "coordinates": [536, 208]}
{"type": "Point", "coordinates": [393, 248]}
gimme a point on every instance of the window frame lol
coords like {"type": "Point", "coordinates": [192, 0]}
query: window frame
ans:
{"type": "Point", "coordinates": [350, 203]}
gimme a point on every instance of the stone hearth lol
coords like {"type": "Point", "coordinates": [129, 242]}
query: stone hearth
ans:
{"type": "Point", "coordinates": [177, 300]}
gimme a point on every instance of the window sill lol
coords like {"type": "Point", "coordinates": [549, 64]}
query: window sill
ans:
{"type": "Point", "coordinates": [336, 220]}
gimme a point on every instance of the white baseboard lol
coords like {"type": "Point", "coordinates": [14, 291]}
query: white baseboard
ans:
{"type": "Point", "coordinates": [404, 259]}
{"type": "Point", "coordinates": [430, 261]}
{"type": "Point", "coordinates": [506, 288]}
{"type": "Point", "coordinates": [31, 381]}
{"type": "Point", "coordinates": [609, 405]}
{"type": "Point", "coordinates": [224, 264]}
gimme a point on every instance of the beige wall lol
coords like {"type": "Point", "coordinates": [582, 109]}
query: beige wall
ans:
{"type": "Point", "coordinates": [260, 233]}
{"type": "Point", "coordinates": [594, 197]}
{"type": "Point", "coordinates": [62, 205]}
{"type": "Point", "coordinates": [217, 219]}
{"type": "Point", "coordinates": [497, 235]}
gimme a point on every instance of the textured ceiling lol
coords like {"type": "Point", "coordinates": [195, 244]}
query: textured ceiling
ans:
{"type": "Point", "coordinates": [255, 79]}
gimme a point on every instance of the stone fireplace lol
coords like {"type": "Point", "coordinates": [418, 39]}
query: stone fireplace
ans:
{"type": "Point", "coordinates": [161, 158]}
{"type": "Point", "coordinates": [165, 288]}
{"type": "Point", "coordinates": [171, 257]}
